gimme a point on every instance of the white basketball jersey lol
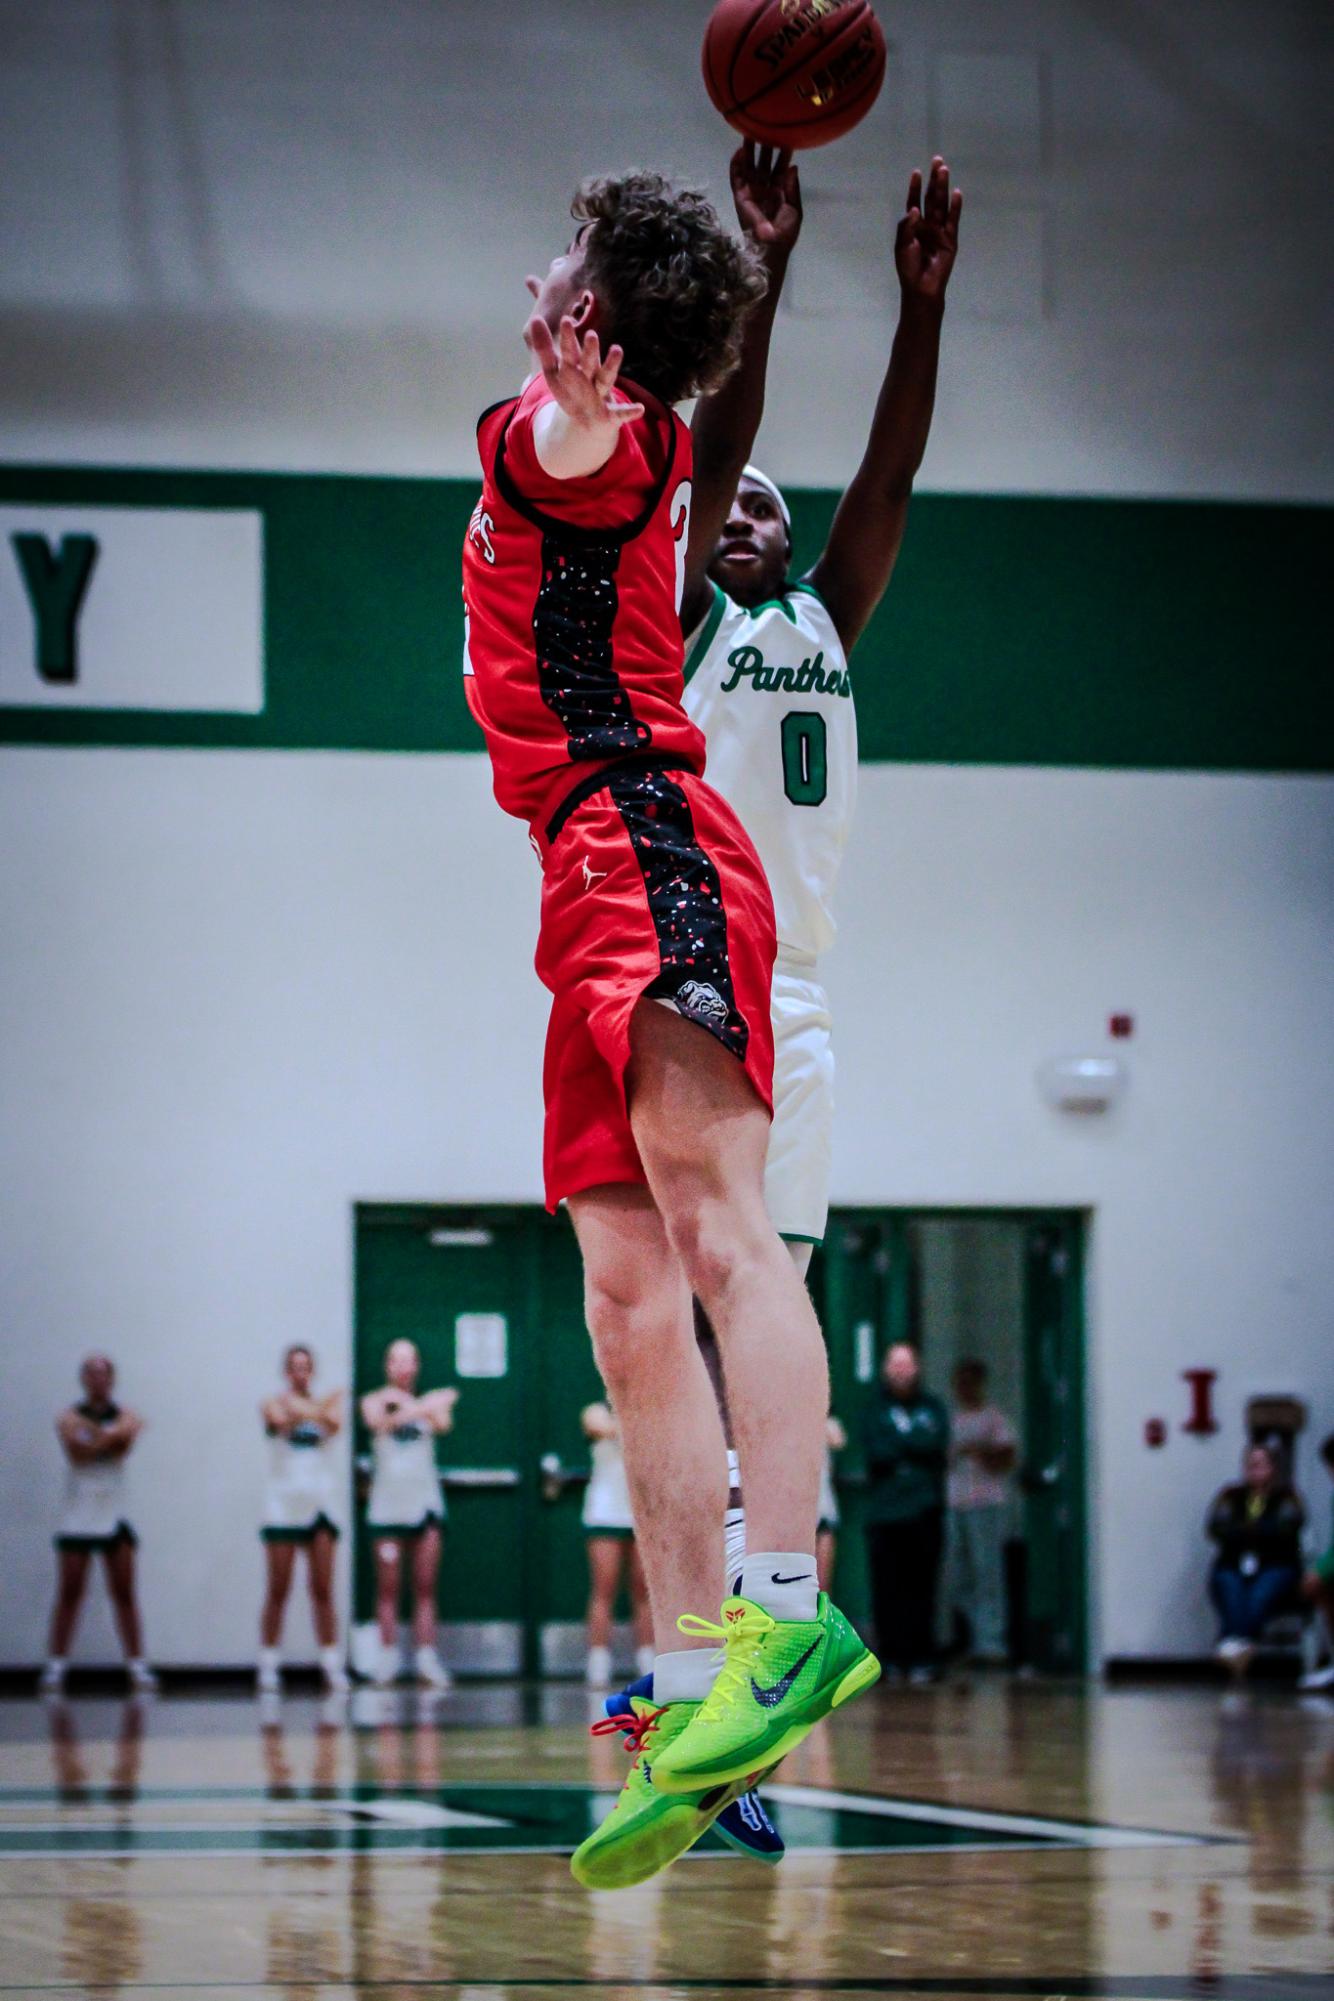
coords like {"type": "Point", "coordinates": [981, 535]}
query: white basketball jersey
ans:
{"type": "Point", "coordinates": [771, 691]}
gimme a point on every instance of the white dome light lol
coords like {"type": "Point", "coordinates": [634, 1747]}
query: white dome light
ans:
{"type": "Point", "coordinates": [1082, 1083]}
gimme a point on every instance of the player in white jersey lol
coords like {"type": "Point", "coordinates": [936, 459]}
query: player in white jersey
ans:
{"type": "Point", "coordinates": [97, 1436]}
{"type": "Point", "coordinates": [767, 654]}
{"type": "Point", "coordinates": [299, 1513]}
{"type": "Point", "coordinates": [770, 688]}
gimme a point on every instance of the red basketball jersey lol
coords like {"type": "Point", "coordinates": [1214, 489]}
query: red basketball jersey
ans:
{"type": "Point", "coordinates": [571, 593]}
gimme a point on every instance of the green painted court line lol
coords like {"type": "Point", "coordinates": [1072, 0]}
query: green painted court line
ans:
{"type": "Point", "coordinates": [521, 1817]}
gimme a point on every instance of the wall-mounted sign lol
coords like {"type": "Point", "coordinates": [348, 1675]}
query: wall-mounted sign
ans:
{"type": "Point", "coordinates": [1200, 1383]}
{"type": "Point", "coordinates": [132, 608]}
{"type": "Point", "coordinates": [481, 1344]}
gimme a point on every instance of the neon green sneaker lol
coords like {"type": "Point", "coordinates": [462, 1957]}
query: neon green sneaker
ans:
{"type": "Point", "coordinates": [778, 1678]}
{"type": "Point", "coordinates": [646, 1830]}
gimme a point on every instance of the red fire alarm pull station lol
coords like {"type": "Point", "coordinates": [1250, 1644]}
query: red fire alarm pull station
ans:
{"type": "Point", "coordinates": [1121, 1025]}
{"type": "Point", "coordinates": [1155, 1431]}
{"type": "Point", "coordinates": [1201, 1384]}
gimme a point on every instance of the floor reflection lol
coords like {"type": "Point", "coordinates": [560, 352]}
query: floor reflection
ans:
{"type": "Point", "coordinates": [361, 1908]}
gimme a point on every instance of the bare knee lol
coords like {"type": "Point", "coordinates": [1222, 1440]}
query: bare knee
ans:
{"type": "Point", "coordinates": [719, 1248]}
{"type": "Point", "coordinates": [627, 1323]}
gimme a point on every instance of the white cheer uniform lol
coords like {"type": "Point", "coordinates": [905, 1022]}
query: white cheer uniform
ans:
{"type": "Point", "coordinates": [771, 690]}
{"type": "Point", "coordinates": [94, 1515]}
{"type": "Point", "coordinates": [405, 1484]}
{"type": "Point", "coordinates": [299, 1495]}
{"type": "Point", "coordinates": [607, 1495]}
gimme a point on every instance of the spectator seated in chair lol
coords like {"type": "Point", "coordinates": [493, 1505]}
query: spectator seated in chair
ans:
{"type": "Point", "coordinates": [1256, 1524]}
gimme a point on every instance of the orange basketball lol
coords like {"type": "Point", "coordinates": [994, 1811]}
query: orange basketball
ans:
{"type": "Point", "coordinates": [793, 72]}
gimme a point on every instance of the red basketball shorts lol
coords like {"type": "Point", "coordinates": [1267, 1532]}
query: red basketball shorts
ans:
{"type": "Point", "coordinates": [650, 887]}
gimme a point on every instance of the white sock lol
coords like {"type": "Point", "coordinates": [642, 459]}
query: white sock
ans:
{"type": "Point", "coordinates": [783, 1581]}
{"type": "Point", "coordinates": [270, 1657]}
{"type": "Point", "coordinates": [330, 1659]}
{"type": "Point", "coordinates": [684, 1676]}
{"type": "Point", "coordinates": [643, 1660]}
{"type": "Point", "coordinates": [734, 1543]}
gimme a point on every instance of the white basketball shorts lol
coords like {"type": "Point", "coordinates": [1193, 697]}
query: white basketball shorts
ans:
{"type": "Point", "coordinates": [796, 1176]}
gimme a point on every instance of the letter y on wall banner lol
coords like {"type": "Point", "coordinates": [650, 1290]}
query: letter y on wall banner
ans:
{"type": "Point", "coordinates": [132, 608]}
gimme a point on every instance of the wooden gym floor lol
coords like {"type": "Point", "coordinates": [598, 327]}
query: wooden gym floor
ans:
{"type": "Point", "coordinates": [993, 1839]}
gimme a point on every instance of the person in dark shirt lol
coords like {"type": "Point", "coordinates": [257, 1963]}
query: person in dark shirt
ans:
{"type": "Point", "coordinates": [1256, 1524]}
{"type": "Point", "coordinates": [907, 1438]}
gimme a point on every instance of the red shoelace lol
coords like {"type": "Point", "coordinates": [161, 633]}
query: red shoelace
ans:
{"type": "Point", "coordinates": [636, 1730]}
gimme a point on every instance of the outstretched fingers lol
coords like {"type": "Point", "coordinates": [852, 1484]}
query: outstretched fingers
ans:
{"type": "Point", "coordinates": [537, 337]}
{"type": "Point", "coordinates": [937, 205]}
{"type": "Point", "coordinates": [569, 342]}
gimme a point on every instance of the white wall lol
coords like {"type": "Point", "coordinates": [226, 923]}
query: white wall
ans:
{"type": "Point", "coordinates": [293, 233]}
{"type": "Point", "coordinates": [239, 993]}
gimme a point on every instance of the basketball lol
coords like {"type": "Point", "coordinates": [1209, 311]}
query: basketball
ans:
{"type": "Point", "coordinates": [793, 73]}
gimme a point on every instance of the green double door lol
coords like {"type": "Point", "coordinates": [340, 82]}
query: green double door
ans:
{"type": "Point", "coordinates": [1006, 1287]}
{"type": "Point", "coordinates": [493, 1299]}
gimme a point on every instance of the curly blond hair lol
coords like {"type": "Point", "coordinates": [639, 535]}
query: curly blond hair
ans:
{"type": "Point", "coordinates": [676, 285]}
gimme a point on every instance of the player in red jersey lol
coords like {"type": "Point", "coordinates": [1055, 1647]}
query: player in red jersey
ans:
{"type": "Point", "coordinates": [657, 942]}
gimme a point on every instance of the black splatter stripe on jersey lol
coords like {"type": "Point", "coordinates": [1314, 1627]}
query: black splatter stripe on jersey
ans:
{"type": "Point", "coordinates": [573, 620]}
{"type": "Point", "coordinates": [685, 902]}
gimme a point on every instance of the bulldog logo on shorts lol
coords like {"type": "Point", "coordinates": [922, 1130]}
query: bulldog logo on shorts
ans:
{"type": "Point", "coordinates": [701, 1001]}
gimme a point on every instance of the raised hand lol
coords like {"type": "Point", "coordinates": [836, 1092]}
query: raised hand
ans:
{"type": "Point", "coordinates": [580, 381]}
{"type": "Point", "coordinates": [928, 233]}
{"type": "Point", "coordinates": [767, 191]}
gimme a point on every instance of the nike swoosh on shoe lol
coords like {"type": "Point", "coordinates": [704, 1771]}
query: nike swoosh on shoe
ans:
{"type": "Point", "coordinates": [771, 1697]}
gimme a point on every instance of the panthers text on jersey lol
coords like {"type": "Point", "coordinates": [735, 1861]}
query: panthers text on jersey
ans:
{"type": "Point", "coordinates": [771, 690]}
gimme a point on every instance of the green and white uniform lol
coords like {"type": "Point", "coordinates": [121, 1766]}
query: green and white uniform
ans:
{"type": "Point", "coordinates": [94, 1515]}
{"type": "Point", "coordinates": [606, 1508]}
{"type": "Point", "coordinates": [299, 1492]}
{"type": "Point", "coordinates": [771, 690]}
{"type": "Point", "coordinates": [405, 1484]}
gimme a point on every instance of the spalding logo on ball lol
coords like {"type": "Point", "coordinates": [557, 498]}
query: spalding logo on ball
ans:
{"type": "Point", "coordinates": [793, 72]}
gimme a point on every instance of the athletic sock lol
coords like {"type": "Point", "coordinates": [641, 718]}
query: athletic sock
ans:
{"type": "Point", "coordinates": [331, 1660]}
{"type": "Point", "coordinates": [270, 1657]}
{"type": "Point", "coordinates": [684, 1676]}
{"type": "Point", "coordinates": [734, 1541]}
{"type": "Point", "coordinates": [783, 1581]}
{"type": "Point", "coordinates": [643, 1660]}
